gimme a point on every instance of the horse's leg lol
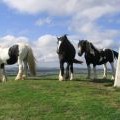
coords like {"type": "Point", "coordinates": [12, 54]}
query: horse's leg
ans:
{"type": "Point", "coordinates": [105, 71]}
{"type": "Point", "coordinates": [3, 73]}
{"type": "Point", "coordinates": [89, 71]}
{"type": "Point", "coordinates": [2, 76]}
{"type": "Point", "coordinates": [71, 69]}
{"type": "Point", "coordinates": [61, 74]}
{"type": "Point", "coordinates": [4, 79]}
{"type": "Point", "coordinates": [113, 70]}
{"type": "Point", "coordinates": [67, 71]}
{"type": "Point", "coordinates": [94, 71]}
{"type": "Point", "coordinates": [20, 71]}
{"type": "Point", "coordinates": [24, 76]}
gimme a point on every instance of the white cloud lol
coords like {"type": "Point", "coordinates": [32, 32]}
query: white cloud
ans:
{"type": "Point", "coordinates": [8, 40]}
{"type": "Point", "coordinates": [45, 48]}
{"type": "Point", "coordinates": [98, 11]}
{"type": "Point", "coordinates": [82, 21]}
{"type": "Point", "coordinates": [62, 6]}
{"type": "Point", "coordinates": [84, 13]}
{"type": "Point", "coordinates": [36, 6]}
{"type": "Point", "coordinates": [43, 21]}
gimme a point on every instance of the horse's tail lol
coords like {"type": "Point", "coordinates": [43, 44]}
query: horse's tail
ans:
{"type": "Point", "coordinates": [31, 61]}
{"type": "Point", "coordinates": [115, 54]}
{"type": "Point", "coordinates": [77, 61]}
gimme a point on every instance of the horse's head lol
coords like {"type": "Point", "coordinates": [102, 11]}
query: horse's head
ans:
{"type": "Point", "coordinates": [85, 46]}
{"type": "Point", "coordinates": [81, 47]}
{"type": "Point", "coordinates": [61, 40]}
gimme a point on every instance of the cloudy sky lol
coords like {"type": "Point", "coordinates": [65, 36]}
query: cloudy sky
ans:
{"type": "Point", "coordinates": [38, 22]}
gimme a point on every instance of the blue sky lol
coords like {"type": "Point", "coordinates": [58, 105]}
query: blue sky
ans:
{"type": "Point", "coordinates": [38, 22]}
{"type": "Point", "coordinates": [20, 24]}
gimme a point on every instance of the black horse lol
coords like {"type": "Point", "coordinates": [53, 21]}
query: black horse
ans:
{"type": "Point", "coordinates": [66, 53]}
{"type": "Point", "coordinates": [97, 57]}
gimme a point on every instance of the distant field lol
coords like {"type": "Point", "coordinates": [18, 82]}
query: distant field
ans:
{"type": "Point", "coordinates": [45, 98]}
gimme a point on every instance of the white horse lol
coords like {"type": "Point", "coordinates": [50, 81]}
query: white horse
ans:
{"type": "Point", "coordinates": [21, 53]}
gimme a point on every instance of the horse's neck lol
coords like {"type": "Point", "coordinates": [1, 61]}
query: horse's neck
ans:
{"type": "Point", "coordinates": [66, 46]}
{"type": "Point", "coordinates": [94, 48]}
{"type": "Point", "coordinates": [68, 43]}
{"type": "Point", "coordinates": [94, 51]}
{"type": "Point", "coordinates": [65, 43]}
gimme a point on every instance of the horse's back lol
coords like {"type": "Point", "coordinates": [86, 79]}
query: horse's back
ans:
{"type": "Point", "coordinates": [108, 55]}
{"type": "Point", "coordinates": [23, 50]}
{"type": "Point", "coordinates": [3, 55]}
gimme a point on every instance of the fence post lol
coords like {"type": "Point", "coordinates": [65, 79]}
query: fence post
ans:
{"type": "Point", "coordinates": [117, 75]}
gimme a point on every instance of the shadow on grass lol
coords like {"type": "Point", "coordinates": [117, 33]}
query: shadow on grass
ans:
{"type": "Point", "coordinates": [102, 81]}
{"type": "Point", "coordinates": [106, 82]}
{"type": "Point", "coordinates": [41, 78]}
{"type": "Point", "coordinates": [54, 77]}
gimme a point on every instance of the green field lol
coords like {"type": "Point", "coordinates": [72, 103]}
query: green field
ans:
{"type": "Point", "coordinates": [46, 98]}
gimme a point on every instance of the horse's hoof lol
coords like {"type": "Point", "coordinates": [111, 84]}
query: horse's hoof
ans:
{"type": "Point", "coordinates": [104, 78]}
{"type": "Point", "coordinates": [71, 78]}
{"type": "Point", "coordinates": [61, 78]}
{"type": "Point", "coordinates": [112, 78]}
{"type": "Point", "coordinates": [4, 80]}
{"type": "Point", "coordinates": [18, 79]}
{"type": "Point", "coordinates": [23, 77]}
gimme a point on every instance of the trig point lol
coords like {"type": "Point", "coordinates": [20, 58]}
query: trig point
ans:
{"type": "Point", "coordinates": [117, 76]}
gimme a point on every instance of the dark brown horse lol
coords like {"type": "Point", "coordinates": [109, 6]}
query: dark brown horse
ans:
{"type": "Point", "coordinates": [66, 53]}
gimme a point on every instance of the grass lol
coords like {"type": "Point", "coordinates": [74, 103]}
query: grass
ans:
{"type": "Point", "coordinates": [45, 98]}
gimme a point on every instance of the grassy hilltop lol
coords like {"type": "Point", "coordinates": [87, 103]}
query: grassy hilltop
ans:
{"type": "Point", "coordinates": [46, 98]}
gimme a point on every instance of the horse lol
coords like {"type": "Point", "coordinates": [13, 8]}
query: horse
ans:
{"type": "Point", "coordinates": [66, 53]}
{"type": "Point", "coordinates": [21, 53]}
{"type": "Point", "coordinates": [97, 57]}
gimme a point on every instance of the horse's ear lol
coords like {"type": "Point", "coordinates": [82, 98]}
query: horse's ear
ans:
{"type": "Point", "coordinates": [89, 48]}
{"type": "Point", "coordinates": [66, 35]}
{"type": "Point", "coordinates": [58, 38]}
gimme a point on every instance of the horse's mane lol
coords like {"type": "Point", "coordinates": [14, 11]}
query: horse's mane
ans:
{"type": "Point", "coordinates": [66, 41]}
{"type": "Point", "coordinates": [94, 47]}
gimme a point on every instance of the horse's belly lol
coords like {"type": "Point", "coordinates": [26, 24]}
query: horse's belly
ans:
{"type": "Point", "coordinates": [12, 60]}
{"type": "Point", "coordinates": [13, 55]}
{"type": "Point", "coordinates": [102, 62]}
